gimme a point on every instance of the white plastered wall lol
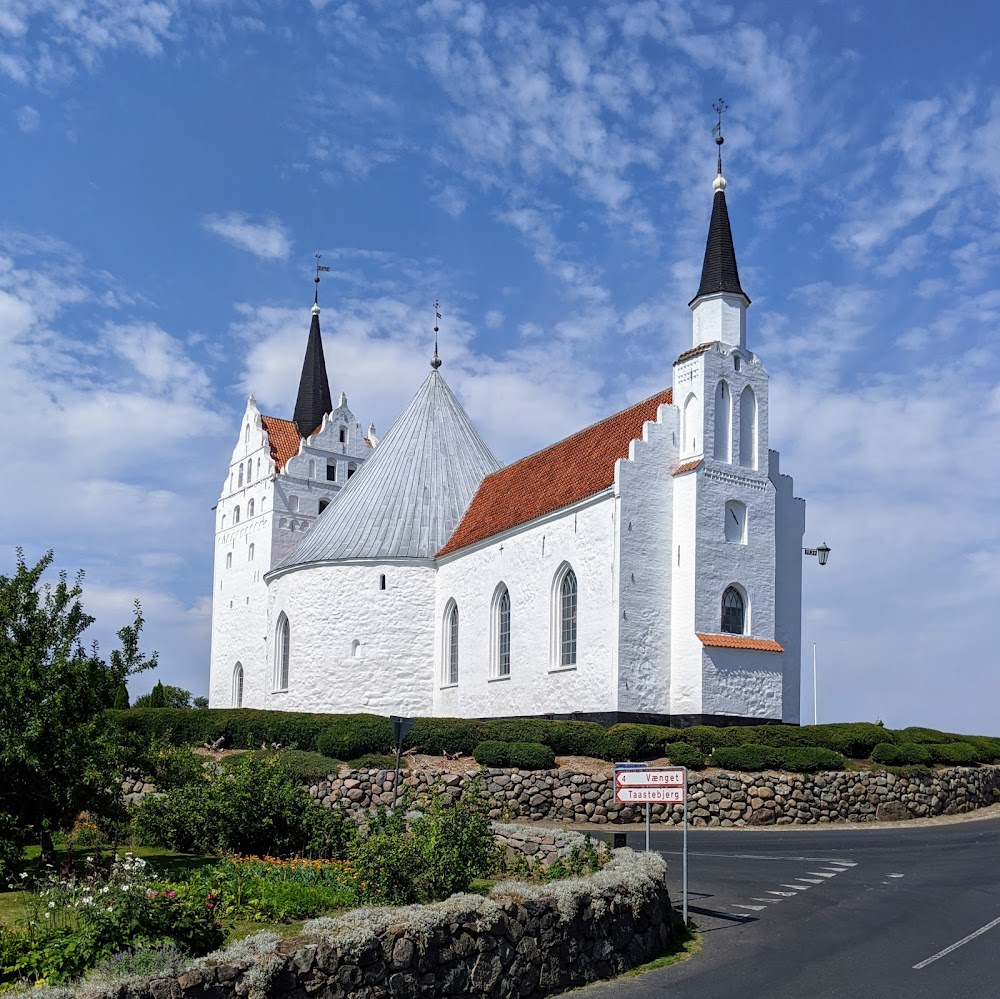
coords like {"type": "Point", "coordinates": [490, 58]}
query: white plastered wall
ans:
{"type": "Point", "coordinates": [644, 486]}
{"type": "Point", "coordinates": [333, 606]}
{"type": "Point", "coordinates": [584, 535]}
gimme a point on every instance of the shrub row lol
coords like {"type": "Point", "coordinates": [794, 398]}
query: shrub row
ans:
{"type": "Point", "coordinates": [523, 755]}
{"type": "Point", "coordinates": [797, 759]}
{"type": "Point", "coordinates": [952, 753]}
{"type": "Point", "coordinates": [347, 737]}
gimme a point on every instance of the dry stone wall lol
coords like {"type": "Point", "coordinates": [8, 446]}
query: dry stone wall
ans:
{"type": "Point", "coordinates": [717, 799]}
{"type": "Point", "coordinates": [522, 941]}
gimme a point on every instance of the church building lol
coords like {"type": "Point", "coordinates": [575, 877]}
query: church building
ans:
{"type": "Point", "coordinates": [646, 568]}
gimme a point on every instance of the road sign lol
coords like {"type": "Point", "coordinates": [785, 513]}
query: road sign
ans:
{"type": "Point", "coordinates": [655, 776]}
{"type": "Point", "coordinates": [649, 794]}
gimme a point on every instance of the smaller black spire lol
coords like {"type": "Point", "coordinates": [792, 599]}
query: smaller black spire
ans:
{"type": "Point", "coordinates": [718, 271]}
{"type": "Point", "coordinates": [313, 401]}
{"type": "Point", "coordinates": [435, 360]}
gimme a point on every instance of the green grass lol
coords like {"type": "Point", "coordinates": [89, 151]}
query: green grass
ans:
{"type": "Point", "coordinates": [685, 943]}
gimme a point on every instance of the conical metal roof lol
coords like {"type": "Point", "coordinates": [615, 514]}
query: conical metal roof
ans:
{"type": "Point", "coordinates": [718, 271]}
{"type": "Point", "coordinates": [408, 497]}
{"type": "Point", "coordinates": [313, 401]}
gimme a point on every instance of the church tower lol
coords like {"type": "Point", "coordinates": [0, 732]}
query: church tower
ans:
{"type": "Point", "coordinates": [734, 651]}
{"type": "Point", "coordinates": [282, 476]}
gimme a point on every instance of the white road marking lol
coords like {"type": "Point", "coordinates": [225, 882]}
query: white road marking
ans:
{"type": "Point", "coordinates": [768, 900]}
{"type": "Point", "coordinates": [957, 944]}
{"type": "Point", "coordinates": [755, 908]}
{"type": "Point", "coordinates": [761, 856]}
{"type": "Point", "coordinates": [783, 894]}
{"type": "Point", "coordinates": [811, 881]}
{"type": "Point", "coordinates": [824, 874]}
{"type": "Point", "coordinates": [797, 887]}
{"type": "Point", "coordinates": [895, 875]}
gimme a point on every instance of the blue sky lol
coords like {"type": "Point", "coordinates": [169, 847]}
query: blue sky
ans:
{"type": "Point", "coordinates": [171, 167]}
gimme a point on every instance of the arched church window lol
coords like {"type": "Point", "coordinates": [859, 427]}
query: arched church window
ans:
{"type": "Point", "coordinates": [733, 611]}
{"type": "Point", "coordinates": [355, 648]}
{"type": "Point", "coordinates": [312, 468]}
{"type": "Point", "coordinates": [258, 468]}
{"type": "Point", "coordinates": [250, 509]}
{"type": "Point", "coordinates": [236, 515]}
{"type": "Point", "coordinates": [748, 428]}
{"type": "Point", "coordinates": [351, 469]}
{"type": "Point", "coordinates": [223, 521]}
{"type": "Point", "coordinates": [450, 670]}
{"type": "Point", "coordinates": [282, 644]}
{"type": "Point", "coordinates": [293, 504]}
{"type": "Point", "coordinates": [331, 472]}
{"type": "Point", "coordinates": [229, 560]}
{"type": "Point", "coordinates": [239, 480]}
{"type": "Point", "coordinates": [343, 435]}
{"type": "Point", "coordinates": [246, 434]}
{"type": "Point", "coordinates": [250, 553]}
{"type": "Point", "coordinates": [381, 580]}
{"type": "Point", "coordinates": [723, 423]}
{"type": "Point", "coordinates": [501, 631]}
{"type": "Point", "coordinates": [238, 686]}
{"type": "Point", "coordinates": [564, 618]}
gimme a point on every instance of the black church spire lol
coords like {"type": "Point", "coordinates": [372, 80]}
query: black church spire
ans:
{"type": "Point", "coordinates": [313, 401]}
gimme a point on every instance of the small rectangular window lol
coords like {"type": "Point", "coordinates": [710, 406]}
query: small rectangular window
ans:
{"type": "Point", "coordinates": [331, 473]}
{"type": "Point", "coordinates": [343, 435]}
{"type": "Point", "coordinates": [381, 581]}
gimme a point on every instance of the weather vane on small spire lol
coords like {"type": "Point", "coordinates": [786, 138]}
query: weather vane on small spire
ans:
{"type": "Point", "coordinates": [435, 360]}
{"type": "Point", "coordinates": [720, 107]}
{"type": "Point", "coordinates": [319, 267]}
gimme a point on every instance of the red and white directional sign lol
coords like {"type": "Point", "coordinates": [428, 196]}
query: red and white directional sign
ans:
{"type": "Point", "coordinates": [651, 784]}
{"type": "Point", "coordinates": [650, 794]}
{"type": "Point", "coordinates": [658, 776]}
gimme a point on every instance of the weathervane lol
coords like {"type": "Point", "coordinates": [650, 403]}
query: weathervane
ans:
{"type": "Point", "coordinates": [436, 361]}
{"type": "Point", "coordinates": [720, 107]}
{"type": "Point", "coordinates": [319, 267]}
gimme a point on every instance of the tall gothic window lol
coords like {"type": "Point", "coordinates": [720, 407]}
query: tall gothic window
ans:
{"type": "Point", "coordinates": [281, 649]}
{"type": "Point", "coordinates": [238, 686]}
{"type": "Point", "coordinates": [565, 622]}
{"type": "Point", "coordinates": [250, 509]}
{"type": "Point", "coordinates": [723, 423]}
{"type": "Point", "coordinates": [451, 645]}
{"type": "Point", "coordinates": [236, 515]}
{"type": "Point", "coordinates": [239, 480]}
{"type": "Point", "coordinates": [733, 616]}
{"type": "Point", "coordinates": [748, 428]}
{"type": "Point", "coordinates": [503, 633]}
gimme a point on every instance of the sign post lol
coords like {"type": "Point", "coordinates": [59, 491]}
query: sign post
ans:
{"type": "Point", "coordinates": [400, 726]}
{"type": "Point", "coordinates": [637, 782]}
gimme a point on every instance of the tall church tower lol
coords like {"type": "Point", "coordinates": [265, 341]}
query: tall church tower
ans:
{"type": "Point", "coordinates": [735, 635]}
{"type": "Point", "coordinates": [282, 476]}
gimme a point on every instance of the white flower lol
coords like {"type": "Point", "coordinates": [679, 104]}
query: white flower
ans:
{"type": "Point", "coordinates": [48, 915]}
{"type": "Point", "coordinates": [52, 905]}
{"type": "Point", "coordinates": [23, 875]}
{"type": "Point", "coordinates": [87, 899]}
{"type": "Point", "coordinates": [105, 890]}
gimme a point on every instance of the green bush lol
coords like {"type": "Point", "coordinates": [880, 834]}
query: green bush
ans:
{"type": "Point", "coordinates": [903, 754]}
{"type": "Point", "coordinates": [346, 737]}
{"type": "Point", "coordinates": [683, 754]}
{"type": "Point", "coordinates": [564, 738]}
{"type": "Point", "coordinates": [172, 767]}
{"type": "Point", "coordinates": [250, 806]}
{"type": "Point", "coordinates": [710, 737]}
{"type": "Point", "coordinates": [437, 736]}
{"type": "Point", "coordinates": [855, 740]}
{"type": "Point", "coordinates": [628, 741]}
{"type": "Point", "coordinates": [917, 735]}
{"type": "Point", "coordinates": [797, 759]}
{"type": "Point", "coordinates": [301, 766]}
{"type": "Point", "coordinates": [988, 746]}
{"type": "Point", "coordinates": [429, 857]}
{"type": "Point", "coordinates": [523, 755]}
{"type": "Point", "coordinates": [960, 754]}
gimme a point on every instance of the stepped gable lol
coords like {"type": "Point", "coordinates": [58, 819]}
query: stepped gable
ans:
{"type": "Point", "coordinates": [407, 498]}
{"type": "Point", "coordinates": [548, 480]}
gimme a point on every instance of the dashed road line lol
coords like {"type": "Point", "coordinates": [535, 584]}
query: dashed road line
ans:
{"type": "Point", "coordinates": [895, 875]}
{"type": "Point", "coordinates": [754, 908]}
{"type": "Point", "coordinates": [783, 894]}
{"type": "Point", "coordinates": [824, 874]}
{"type": "Point", "coordinates": [957, 944]}
{"type": "Point", "coordinates": [811, 881]}
{"type": "Point", "coordinates": [798, 887]}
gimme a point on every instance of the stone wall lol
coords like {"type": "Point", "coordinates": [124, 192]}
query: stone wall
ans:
{"type": "Point", "coordinates": [542, 846]}
{"type": "Point", "coordinates": [718, 799]}
{"type": "Point", "coordinates": [521, 941]}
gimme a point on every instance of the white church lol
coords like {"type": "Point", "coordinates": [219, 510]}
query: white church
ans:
{"type": "Point", "coordinates": [647, 568]}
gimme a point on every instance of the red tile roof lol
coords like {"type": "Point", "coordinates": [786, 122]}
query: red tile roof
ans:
{"type": "Point", "coordinates": [739, 642]}
{"type": "Point", "coordinates": [695, 351]}
{"type": "Point", "coordinates": [688, 466]}
{"type": "Point", "coordinates": [283, 436]}
{"type": "Point", "coordinates": [548, 480]}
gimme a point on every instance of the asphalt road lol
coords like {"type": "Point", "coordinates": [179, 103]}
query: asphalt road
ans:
{"type": "Point", "coordinates": [838, 913]}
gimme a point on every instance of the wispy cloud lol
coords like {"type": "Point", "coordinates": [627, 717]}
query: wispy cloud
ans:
{"type": "Point", "coordinates": [266, 239]}
{"type": "Point", "coordinates": [28, 119]}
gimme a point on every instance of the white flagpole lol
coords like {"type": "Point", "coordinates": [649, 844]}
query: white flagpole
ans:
{"type": "Point", "coordinates": [815, 715]}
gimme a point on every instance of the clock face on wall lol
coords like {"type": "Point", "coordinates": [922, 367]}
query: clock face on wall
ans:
{"type": "Point", "coordinates": [736, 522]}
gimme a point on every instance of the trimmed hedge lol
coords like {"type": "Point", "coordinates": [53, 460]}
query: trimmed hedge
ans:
{"type": "Point", "coordinates": [902, 754]}
{"type": "Point", "coordinates": [523, 755]}
{"type": "Point", "coordinates": [798, 759]}
{"type": "Point", "coordinates": [347, 737]}
{"type": "Point", "coordinates": [683, 754]}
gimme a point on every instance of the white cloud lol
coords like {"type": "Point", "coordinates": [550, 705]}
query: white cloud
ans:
{"type": "Point", "coordinates": [28, 119]}
{"type": "Point", "coordinates": [266, 239]}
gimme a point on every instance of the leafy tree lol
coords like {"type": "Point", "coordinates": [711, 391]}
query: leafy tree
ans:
{"type": "Point", "coordinates": [200, 702]}
{"type": "Point", "coordinates": [164, 696]}
{"type": "Point", "coordinates": [57, 756]}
